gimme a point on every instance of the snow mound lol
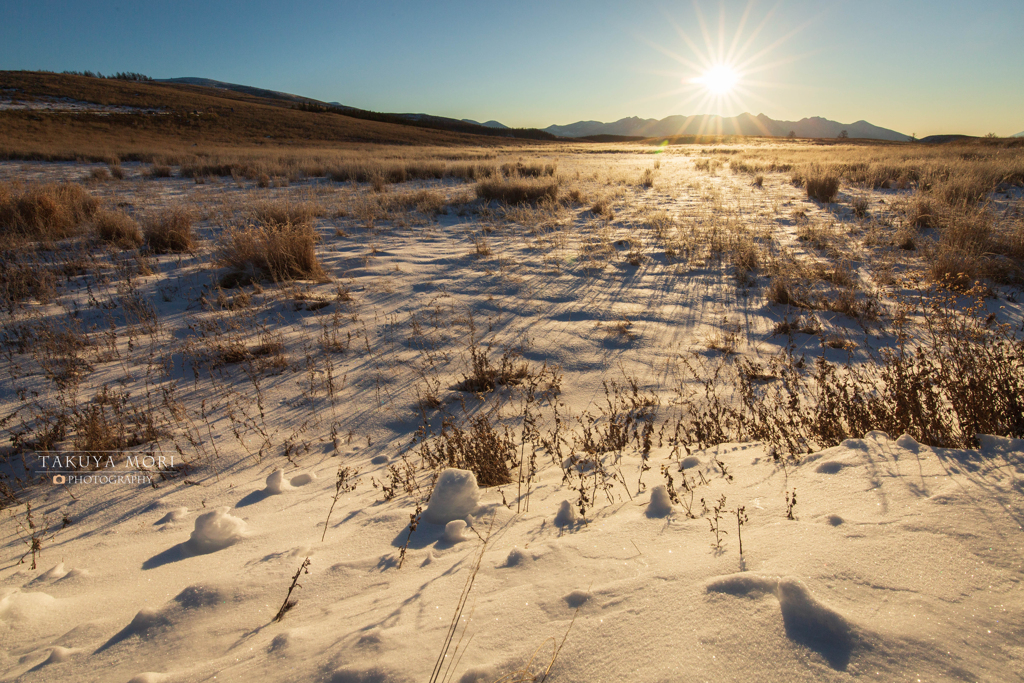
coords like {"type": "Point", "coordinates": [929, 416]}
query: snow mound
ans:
{"type": "Point", "coordinates": [146, 624]}
{"type": "Point", "coordinates": [302, 479]}
{"type": "Point", "coordinates": [76, 573]}
{"type": "Point", "coordinates": [173, 516]}
{"type": "Point", "coordinates": [454, 532]}
{"type": "Point", "coordinates": [480, 674]}
{"type": "Point", "coordinates": [59, 654]}
{"type": "Point", "coordinates": [275, 483]}
{"type": "Point", "coordinates": [829, 467]}
{"type": "Point", "coordinates": [54, 573]}
{"type": "Point", "coordinates": [661, 504]}
{"type": "Point", "coordinates": [807, 621]}
{"type": "Point", "coordinates": [149, 623]}
{"type": "Point", "coordinates": [149, 677]}
{"type": "Point", "coordinates": [689, 462]}
{"type": "Point", "coordinates": [516, 557]}
{"type": "Point", "coordinates": [19, 606]}
{"type": "Point", "coordinates": [566, 515]}
{"type": "Point", "coordinates": [576, 598]}
{"type": "Point", "coordinates": [216, 530]}
{"type": "Point", "coordinates": [909, 443]}
{"type": "Point", "coordinates": [742, 584]}
{"type": "Point", "coordinates": [361, 675]}
{"type": "Point", "coordinates": [813, 624]}
{"type": "Point", "coordinates": [455, 496]}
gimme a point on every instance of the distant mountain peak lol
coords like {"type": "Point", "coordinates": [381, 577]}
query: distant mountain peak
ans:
{"type": "Point", "coordinates": [712, 124]}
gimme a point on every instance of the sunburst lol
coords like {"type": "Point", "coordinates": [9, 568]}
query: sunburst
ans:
{"type": "Point", "coordinates": [723, 74]}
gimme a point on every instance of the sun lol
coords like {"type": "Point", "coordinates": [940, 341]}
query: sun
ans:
{"type": "Point", "coordinates": [719, 79]}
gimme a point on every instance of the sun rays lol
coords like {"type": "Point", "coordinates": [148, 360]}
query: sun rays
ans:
{"type": "Point", "coordinates": [725, 71]}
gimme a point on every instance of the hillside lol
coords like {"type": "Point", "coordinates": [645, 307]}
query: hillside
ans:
{"type": "Point", "coordinates": [744, 124]}
{"type": "Point", "coordinates": [163, 118]}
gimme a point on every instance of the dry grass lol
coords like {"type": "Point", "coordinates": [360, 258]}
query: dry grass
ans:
{"type": "Point", "coordinates": [44, 212]}
{"type": "Point", "coordinates": [516, 189]}
{"type": "Point", "coordinates": [274, 252]}
{"type": "Point", "coordinates": [822, 184]}
{"type": "Point", "coordinates": [117, 228]}
{"type": "Point", "coordinates": [285, 211]}
{"type": "Point", "coordinates": [170, 232]}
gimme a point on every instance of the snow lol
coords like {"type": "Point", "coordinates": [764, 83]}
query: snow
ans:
{"type": "Point", "coordinates": [660, 504]}
{"type": "Point", "coordinates": [902, 562]}
{"type": "Point", "coordinates": [216, 530]}
{"type": "Point", "coordinates": [455, 496]}
{"type": "Point", "coordinates": [565, 516]}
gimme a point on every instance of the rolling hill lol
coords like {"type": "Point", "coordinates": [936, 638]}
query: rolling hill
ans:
{"type": "Point", "coordinates": [143, 119]}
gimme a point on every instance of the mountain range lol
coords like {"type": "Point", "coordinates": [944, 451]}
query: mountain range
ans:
{"type": "Point", "coordinates": [711, 124]}
{"type": "Point", "coordinates": [744, 124]}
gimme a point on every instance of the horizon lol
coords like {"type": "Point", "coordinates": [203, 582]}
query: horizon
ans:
{"type": "Point", "coordinates": [927, 68]}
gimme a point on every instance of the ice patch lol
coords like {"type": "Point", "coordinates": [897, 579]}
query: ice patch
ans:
{"type": "Point", "coordinates": [454, 532]}
{"type": "Point", "coordinates": [216, 530]}
{"type": "Point", "coordinates": [566, 515]}
{"type": "Point", "coordinates": [455, 496]}
{"type": "Point", "coordinates": [661, 504]}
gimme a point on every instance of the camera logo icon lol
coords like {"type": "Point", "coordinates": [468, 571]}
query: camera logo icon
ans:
{"type": "Point", "coordinates": [59, 479]}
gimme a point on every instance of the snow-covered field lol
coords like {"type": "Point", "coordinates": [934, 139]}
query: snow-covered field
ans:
{"type": "Point", "coordinates": [898, 561]}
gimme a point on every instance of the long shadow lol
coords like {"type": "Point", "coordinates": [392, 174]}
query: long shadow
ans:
{"type": "Point", "coordinates": [176, 553]}
{"type": "Point", "coordinates": [253, 498]}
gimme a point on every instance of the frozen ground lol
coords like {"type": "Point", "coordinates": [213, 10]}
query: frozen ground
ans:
{"type": "Point", "coordinates": [900, 562]}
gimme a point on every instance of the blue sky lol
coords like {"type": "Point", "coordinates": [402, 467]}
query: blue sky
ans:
{"type": "Point", "coordinates": [919, 67]}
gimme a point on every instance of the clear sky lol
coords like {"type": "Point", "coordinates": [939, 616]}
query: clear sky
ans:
{"type": "Point", "coordinates": [916, 66]}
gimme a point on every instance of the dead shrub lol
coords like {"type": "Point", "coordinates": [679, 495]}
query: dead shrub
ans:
{"type": "Point", "coordinates": [170, 232]}
{"type": "Point", "coordinates": [276, 252]}
{"type": "Point", "coordinates": [822, 185]}
{"type": "Point", "coordinates": [603, 209]}
{"type": "Point", "coordinates": [45, 212]}
{"type": "Point", "coordinates": [283, 211]}
{"type": "Point", "coordinates": [487, 452]}
{"type": "Point", "coordinates": [117, 228]}
{"type": "Point", "coordinates": [517, 189]}
{"type": "Point", "coordinates": [21, 280]}
{"type": "Point", "coordinates": [923, 212]}
{"type": "Point", "coordinates": [159, 171]}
